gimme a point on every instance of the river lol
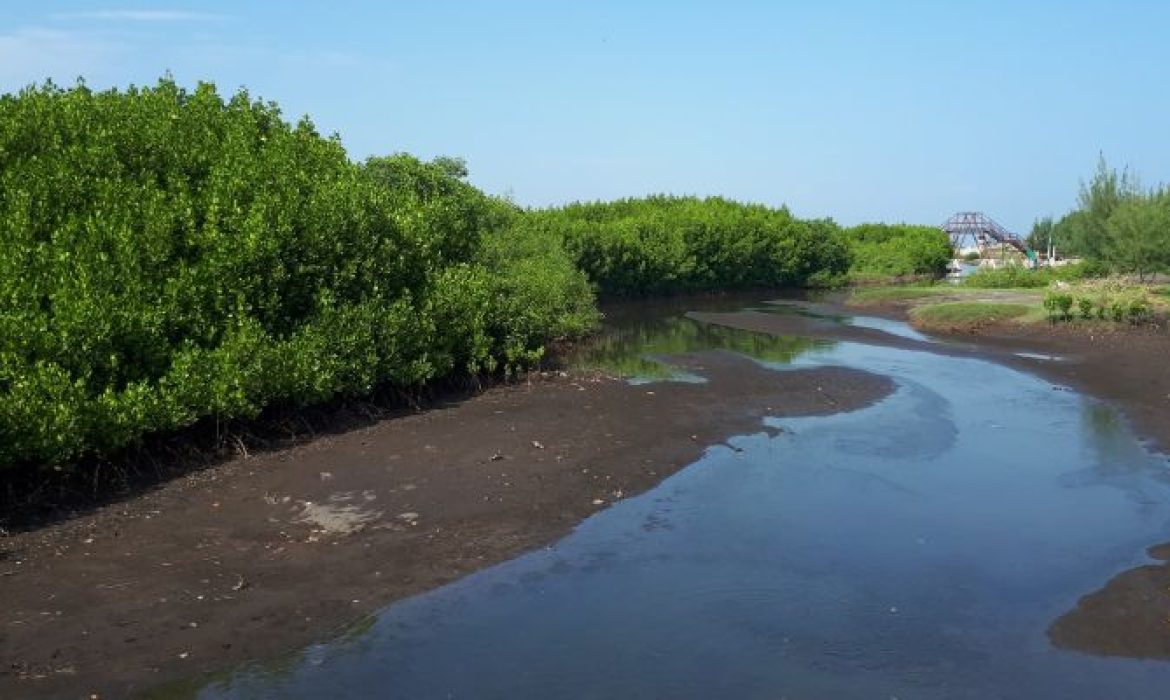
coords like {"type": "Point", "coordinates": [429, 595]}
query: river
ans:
{"type": "Point", "coordinates": [917, 548]}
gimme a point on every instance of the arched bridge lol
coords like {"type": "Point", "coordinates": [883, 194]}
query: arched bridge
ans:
{"type": "Point", "coordinates": [972, 227]}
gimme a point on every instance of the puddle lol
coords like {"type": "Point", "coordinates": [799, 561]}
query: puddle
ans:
{"type": "Point", "coordinates": [918, 548]}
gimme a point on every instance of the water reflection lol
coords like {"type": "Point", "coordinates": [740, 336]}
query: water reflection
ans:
{"type": "Point", "coordinates": [639, 349]}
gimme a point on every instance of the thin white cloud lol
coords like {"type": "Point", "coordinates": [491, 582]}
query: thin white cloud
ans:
{"type": "Point", "coordinates": [33, 54]}
{"type": "Point", "coordinates": [143, 15]}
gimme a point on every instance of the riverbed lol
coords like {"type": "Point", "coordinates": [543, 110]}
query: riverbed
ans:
{"type": "Point", "coordinates": [919, 547]}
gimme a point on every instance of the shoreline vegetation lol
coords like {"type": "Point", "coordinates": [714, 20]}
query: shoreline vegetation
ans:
{"type": "Point", "coordinates": [1113, 304]}
{"type": "Point", "coordinates": [175, 261]}
{"type": "Point", "coordinates": [183, 273]}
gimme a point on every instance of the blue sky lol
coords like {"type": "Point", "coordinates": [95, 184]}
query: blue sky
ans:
{"type": "Point", "coordinates": [862, 111]}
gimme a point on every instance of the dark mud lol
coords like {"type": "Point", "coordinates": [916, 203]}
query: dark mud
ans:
{"type": "Point", "coordinates": [265, 555]}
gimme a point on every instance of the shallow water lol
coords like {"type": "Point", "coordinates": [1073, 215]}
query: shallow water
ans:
{"type": "Point", "coordinates": [918, 548]}
{"type": "Point", "coordinates": [637, 347]}
{"type": "Point", "coordinates": [874, 322]}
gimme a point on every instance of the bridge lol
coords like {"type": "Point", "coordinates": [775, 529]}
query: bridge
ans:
{"type": "Point", "coordinates": [972, 227]}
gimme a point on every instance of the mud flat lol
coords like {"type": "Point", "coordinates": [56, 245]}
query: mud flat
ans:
{"type": "Point", "coordinates": [267, 554]}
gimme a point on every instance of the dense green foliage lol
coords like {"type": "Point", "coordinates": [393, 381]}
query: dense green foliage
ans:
{"type": "Point", "coordinates": [1117, 222]}
{"type": "Point", "coordinates": [1016, 277]}
{"type": "Point", "coordinates": [168, 255]}
{"type": "Point", "coordinates": [666, 245]}
{"type": "Point", "coordinates": [1041, 235]}
{"type": "Point", "coordinates": [898, 250]}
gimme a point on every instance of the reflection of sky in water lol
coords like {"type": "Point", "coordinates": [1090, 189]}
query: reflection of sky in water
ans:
{"type": "Point", "coordinates": [918, 548]}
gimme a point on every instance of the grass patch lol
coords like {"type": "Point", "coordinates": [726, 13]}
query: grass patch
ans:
{"type": "Point", "coordinates": [967, 314]}
{"type": "Point", "coordinates": [880, 295]}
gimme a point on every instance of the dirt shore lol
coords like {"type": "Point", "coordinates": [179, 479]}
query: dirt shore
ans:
{"type": "Point", "coordinates": [265, 555]}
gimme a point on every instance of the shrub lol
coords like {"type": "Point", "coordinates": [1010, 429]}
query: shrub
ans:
{"type": "Point", "coordinates": [1059, 305]}
{"type": "Point", "coordinates": [1110, 299]}
{"type": "Point", "coordinates": [1139, 311]}
{"type": "Point", "coordinates": [667, 245]}
{"type": "Point", "coordinates": [1086, 307]}
{"type": "Point", "coordinates": [898, 250]}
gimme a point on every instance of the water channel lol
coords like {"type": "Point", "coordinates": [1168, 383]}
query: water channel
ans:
{"type": "Point", "coordinates": [917, 548]}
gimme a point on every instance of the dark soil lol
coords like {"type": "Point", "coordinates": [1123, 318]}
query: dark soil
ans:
{"type": "Point", "coordinates": [263, 555]}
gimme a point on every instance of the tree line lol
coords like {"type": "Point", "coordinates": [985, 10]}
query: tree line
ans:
{"type": "Point", "coordinates": [1117, 224]}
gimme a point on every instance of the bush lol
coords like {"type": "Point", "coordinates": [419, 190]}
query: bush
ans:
{"type": "Point", "coordinates": [1086, 307]}
{"type": "Point", "coordinates": [1139, 311]}
{"type": "Point", "coordinates": [898, 250]}
{"type": "Point", "coordinates": [668, 245]}
{"type": "Point", "coordinates": [1059, 305]}
{"type": "Point", "coordinates": [1105, 300]}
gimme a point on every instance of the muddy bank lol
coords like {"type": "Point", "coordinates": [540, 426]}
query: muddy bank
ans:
{"type": "Point", "coordinates": [1129, 617]}
{"type": "Point", "coordinates": [268, 554]}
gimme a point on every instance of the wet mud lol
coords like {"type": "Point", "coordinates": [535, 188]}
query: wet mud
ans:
{"type": "Point", "coordinates": [265, 555]}
{"type": "Point", "coordinates": [268, 554]}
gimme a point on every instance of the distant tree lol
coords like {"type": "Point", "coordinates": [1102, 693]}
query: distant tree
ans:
{"type": "Point", "coordinates": [898, 249]}
{"type": "Point", "coordinates": [1098, 199]}
{"type": "Point", "coordinates": [451, 166]}
{"type": "Point", "coordinates": [1069, 232]}
{"type": "Point", "coordinates": [1041, 234]}
{"type": "Point", "coordinates": [1138, 234]}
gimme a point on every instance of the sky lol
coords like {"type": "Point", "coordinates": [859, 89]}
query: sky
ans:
{"type": "Point", "coordinates": [880, 110]}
